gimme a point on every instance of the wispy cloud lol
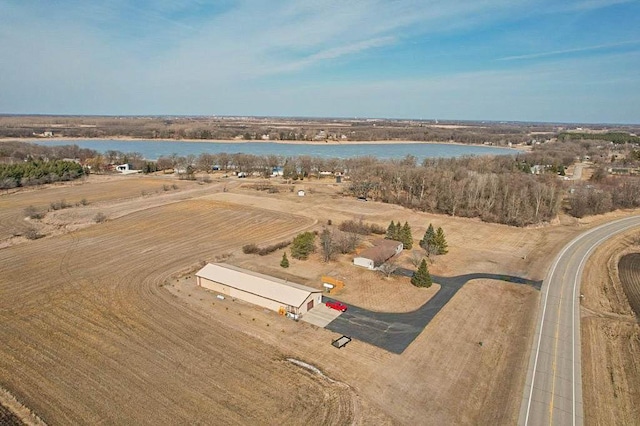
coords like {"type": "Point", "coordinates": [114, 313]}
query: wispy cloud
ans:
{"type": "Point", "coordinates": [271, 57]}
{"type": "Point", "coordinates": [598, 47]}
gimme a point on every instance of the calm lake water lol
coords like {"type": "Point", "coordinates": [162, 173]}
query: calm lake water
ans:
{"type": "Point", "coordinates": [151, 150]}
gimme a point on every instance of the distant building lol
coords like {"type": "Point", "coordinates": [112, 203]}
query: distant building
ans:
{"type": "Point", "coordinates": [126, 169]}
{"type": "Point", "coordinates": [382, 250]}
{"type": "Point", "coordinates": [301, 193]}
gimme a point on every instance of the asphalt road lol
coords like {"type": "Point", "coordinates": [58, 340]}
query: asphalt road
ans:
{"type": "Point", "coordinates": [553, 389]}
{"type": "Point", "coordinates": [394, 332]}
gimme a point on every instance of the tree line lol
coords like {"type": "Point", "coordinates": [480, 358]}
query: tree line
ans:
{"type": "Point", "coordinates": [38, 172]}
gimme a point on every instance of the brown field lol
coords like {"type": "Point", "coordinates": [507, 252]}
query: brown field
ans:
{"type": "Point", "coordinates": [610, 337]}
{"type": "Point", "coordinates": [97, 328]}
{"type": "Point", "coordinates": [101, 191]}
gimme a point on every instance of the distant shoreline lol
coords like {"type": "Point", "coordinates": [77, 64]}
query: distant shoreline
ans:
{"type": "Point", "coordinates": [242, 141]}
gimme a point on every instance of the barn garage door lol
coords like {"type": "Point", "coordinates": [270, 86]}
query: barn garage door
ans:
{"type": "Point", "coordinates": [310, 305]}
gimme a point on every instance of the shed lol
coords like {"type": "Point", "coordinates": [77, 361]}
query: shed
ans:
{"type": "Point", "coordinates": [301, 193]}
{"type": "Point", "coordinates": [262, 290]}
{"type": "Point", "coordinates": [375, 256]}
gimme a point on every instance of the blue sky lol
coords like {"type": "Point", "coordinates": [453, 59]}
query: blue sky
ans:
{"type": "Point", "coordinates": [529, 60]}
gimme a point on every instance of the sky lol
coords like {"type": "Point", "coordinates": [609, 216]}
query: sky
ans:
{"type": "Point", "coordinates": [513, 60]}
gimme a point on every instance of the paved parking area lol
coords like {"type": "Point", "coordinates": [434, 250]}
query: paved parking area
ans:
{"type": "Point", "coordinates": [394, 332]}
{"type": "Point", "coordinates": [320, 316]}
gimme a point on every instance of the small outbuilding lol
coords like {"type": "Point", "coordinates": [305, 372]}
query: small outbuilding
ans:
{"type": "Point", "coordinates": [262, 290]}
{"type": "Point", "coordinates": [382, 250]}
{"type": "Point", "coordinates": [301, 193]}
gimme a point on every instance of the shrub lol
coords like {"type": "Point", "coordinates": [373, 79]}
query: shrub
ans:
{"type": "Point", "coordinates": [361, 228]}
{"type": "Point", "coordinates": [270, 249]}
{"type": "Point", "coordinates": [32, 234]}
{"type": "Point", "coordinates": [377, 229]}
{"type": "Point", "coordinates": [32, 213]}
{"type": "Point", "coordinates": [250, 249]}
{"type": "Point", "coordinates": [59, 205]}
{"type": "Point", "coordinates": [100, 217]}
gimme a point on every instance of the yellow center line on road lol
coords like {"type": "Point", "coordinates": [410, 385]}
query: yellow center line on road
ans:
{"type": "Point", "coordinates": [555, 357]}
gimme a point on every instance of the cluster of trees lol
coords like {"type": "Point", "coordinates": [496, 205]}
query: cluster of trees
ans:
{"type": "Point", "coordinates": [615, 137]}
{"type": "Point", "coordinates": [434, 241]}
{"type": "Point", "coordinates": [360, 227]}
{"type": "Point", "coordinates": [38, 172]}
{"type": "Point", "coordinates": [15, 151]}
{"type": "Point", "coordinates": [603, 196]}
{"type": "Point", "coordinates": [493, 189]}
{"type": "Point", "coordinates": [400, 233]}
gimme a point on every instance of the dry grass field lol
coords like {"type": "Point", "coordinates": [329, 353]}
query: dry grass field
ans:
{"type": "Point", "coordinates": [97, 191]}
{"type": "Point", "coordinates": [104, 323]}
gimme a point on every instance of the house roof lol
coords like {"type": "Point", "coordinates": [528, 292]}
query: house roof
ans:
{"type": "Point", "coordinates": [381, 251]}
{"type": "Point", "coordinates": [272, 288]}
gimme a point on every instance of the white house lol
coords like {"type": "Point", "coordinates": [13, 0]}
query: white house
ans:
{"type": "Point", "coordinates": [382, 250]}
{"type": "Point", "coordinates": [301, 193]}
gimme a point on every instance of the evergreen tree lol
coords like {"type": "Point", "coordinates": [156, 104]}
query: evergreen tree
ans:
{"type": "Point", "coordinates": [303, 245]}
{"type": "Point", "coordinates": [440, 242]}
{"type": "Point", "coordinates": [422, 278]}
{"type": "Point", "coordinates": [405, 236]}
{"type": "Point", "coordinates": [391, 231]}
{"type": "Point", "coordinates": [428, 241]}
{"type": "Point", "coordinates": [284, 262]}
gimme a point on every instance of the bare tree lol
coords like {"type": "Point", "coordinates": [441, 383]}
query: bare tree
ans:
{"type": "Point", "coordinates": [389, 267]}
{"type": "Point", "coordinates": [416, 258]}
{"type": "Point", "coordinates": [327, 246]}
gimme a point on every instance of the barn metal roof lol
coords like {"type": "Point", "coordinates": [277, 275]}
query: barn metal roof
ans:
{"type": "Point", "coordinates": [272, 288]}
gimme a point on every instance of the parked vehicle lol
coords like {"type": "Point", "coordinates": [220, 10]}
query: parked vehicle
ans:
{"type": "Point", "coordinates": [338, 306]}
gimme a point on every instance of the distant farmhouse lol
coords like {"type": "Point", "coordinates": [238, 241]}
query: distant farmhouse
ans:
{"type": "Point", "coordinates": [382, 250]}
{"type": "Point", "coordinates": [126, 169]}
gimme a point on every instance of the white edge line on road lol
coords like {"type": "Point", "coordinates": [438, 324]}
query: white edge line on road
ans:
{"type": "Point", "coordinates": [544, 308]}
{"type": "Point", "coordinates": [576, 283]}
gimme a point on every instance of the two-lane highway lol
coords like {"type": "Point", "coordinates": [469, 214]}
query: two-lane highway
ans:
{"type": "Point", "coordinates": [553, 389]}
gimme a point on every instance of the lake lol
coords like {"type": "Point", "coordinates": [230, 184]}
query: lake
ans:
{"type": "Point", "coordinates": [151, 149]}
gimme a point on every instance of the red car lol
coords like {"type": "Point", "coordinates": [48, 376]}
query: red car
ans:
{"type": "Point", "coordinates": [338, 306]}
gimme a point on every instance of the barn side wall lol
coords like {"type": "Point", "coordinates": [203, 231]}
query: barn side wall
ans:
{"type": "Point", "coordinates": [256, 299]}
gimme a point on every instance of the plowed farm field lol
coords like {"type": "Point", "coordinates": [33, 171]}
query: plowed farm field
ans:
{"type": "Point", "coordinates": [629, 270]}
{"type": "Point", "coordinates": [89, 335]}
